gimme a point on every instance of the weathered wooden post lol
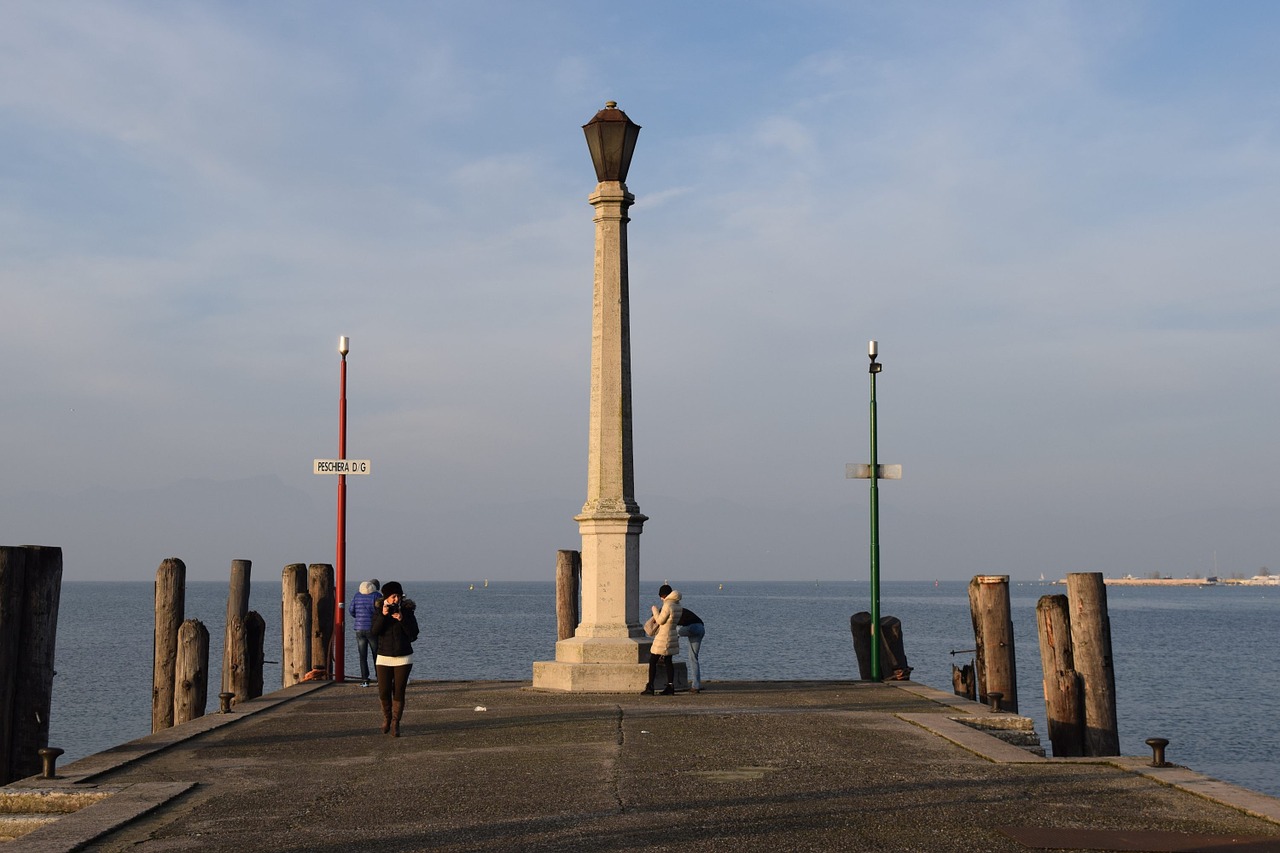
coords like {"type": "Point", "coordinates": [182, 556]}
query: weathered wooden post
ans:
{"type": "Point", "coordinates": [32, 586]}
{"type": "Point", "coordinates": [1063, 714]}
{"type": "Point", "coordinates": [171, 586]}
{"type": "Point", "coordinates": [568, 575]}
{"type": "Point", "coordinates": [1091, 648]}
{"type": "Point", "coordinates": [191, 675]}
{"type": "Point", "coordinates": [233, 645]}
{"type": "Point", "coordinates": [255, 630]}
{"type": "Point", "coordinates": [962, 681]}
{"type": "Point", "coordinates": [993, 636]}
{"type": "Point", "coordinates": [320, 586]}
{"type": "Point", "coordinates": [296, 630]}
{"type": "Point", "coordinates": [236, 679]}
{"type": "Point", "coordinates": [13, 578]}
{"type": "Point", "coordinates": [893, 654]}
{"type": "Point", "coordinates": [293, 581]}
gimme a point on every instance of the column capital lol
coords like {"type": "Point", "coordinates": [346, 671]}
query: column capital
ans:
{"type": "Point", "coordinates": [611, 192]}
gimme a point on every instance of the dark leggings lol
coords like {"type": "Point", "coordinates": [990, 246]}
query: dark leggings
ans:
{"type": "Point", "coordinates": [667, 662]}
{"type": "Point", "coordinates": [392, 676]}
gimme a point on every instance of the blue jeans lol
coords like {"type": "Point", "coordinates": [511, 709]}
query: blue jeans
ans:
{"type": "Point", "coordinates": [364, 645]}
{"type": "Point", "coordinates": [694, 633]}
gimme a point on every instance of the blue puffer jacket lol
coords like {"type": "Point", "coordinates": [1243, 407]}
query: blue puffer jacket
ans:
{"type": "Point", "coordinates": [362, 610]}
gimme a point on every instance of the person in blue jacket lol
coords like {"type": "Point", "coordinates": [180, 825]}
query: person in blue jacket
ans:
{"type": "Point", "coordinates": [361, 611]}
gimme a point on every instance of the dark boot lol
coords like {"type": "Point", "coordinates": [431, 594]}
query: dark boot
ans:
{"type": "Point", "coordinates": [386, 716]}
{"type": "Point", "coordinates": [397, 711]}
{"type": "Point", "coordinates": [648, 690]}
{"type": "Point", "coordinates": [670, 691]}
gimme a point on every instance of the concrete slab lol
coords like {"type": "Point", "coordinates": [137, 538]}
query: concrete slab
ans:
{"type": "Point", "coordinates": [496, 766]}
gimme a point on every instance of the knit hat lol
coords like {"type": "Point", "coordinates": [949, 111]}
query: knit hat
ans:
{"type": "Point", "coordinates": [392, 588]}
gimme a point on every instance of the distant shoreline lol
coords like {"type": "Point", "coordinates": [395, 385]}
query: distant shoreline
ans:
{"type": "Point", "coordinates": [1130, 581]}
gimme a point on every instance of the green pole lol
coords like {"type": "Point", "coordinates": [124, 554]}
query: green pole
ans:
{"type": "Point", "coordinates": [875, 526]}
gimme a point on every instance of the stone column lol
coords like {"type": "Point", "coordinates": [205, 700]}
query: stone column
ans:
{"type": "Point", "coordinates": [608, 652]}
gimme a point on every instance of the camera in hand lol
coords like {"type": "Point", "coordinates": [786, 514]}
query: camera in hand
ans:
{"type": "Point", "coordinates": [393, 608]}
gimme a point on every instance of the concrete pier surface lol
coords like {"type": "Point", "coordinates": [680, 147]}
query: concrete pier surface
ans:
{"type": "Point", "coordinates": [741, 766]}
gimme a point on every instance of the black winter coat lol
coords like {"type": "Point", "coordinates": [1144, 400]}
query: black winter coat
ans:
{"type": "Point", "coordinates": [395, 636]}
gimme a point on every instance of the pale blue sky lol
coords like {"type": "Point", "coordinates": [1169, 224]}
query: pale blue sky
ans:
{"type": "Point", "coordinates": [1059, 219]}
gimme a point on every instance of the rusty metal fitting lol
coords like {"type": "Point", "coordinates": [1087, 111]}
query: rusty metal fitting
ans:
{"type": "Point", "coordinates": [225, 702]}
{"type": "Point", "coordinates": [49, 757]}
{"type": "Point", "coordinates": [1157, 745]}
{"type": "Point", "coordinates": [994, 698]}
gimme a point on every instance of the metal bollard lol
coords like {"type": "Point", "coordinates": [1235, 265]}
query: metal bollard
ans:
{"type": "Point", "coordinates": [994, 698]}
{"type": "Point", "coordinates": [224, 700]}
{"type": "Point", "coordinates": [49, 756]}
{"type": "Point", "coordinates": [1157, 745]}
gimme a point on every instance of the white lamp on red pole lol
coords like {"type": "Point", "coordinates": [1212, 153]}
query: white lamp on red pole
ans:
{"type": "Point", "coordinates": [340, 559]}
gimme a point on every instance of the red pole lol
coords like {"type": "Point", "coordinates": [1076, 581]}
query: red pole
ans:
{"type": "Point", "coordinates": [340, 580]}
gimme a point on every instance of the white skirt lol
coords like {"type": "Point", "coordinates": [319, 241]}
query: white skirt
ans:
{"type": "Point", "coordinates": [384, 660]}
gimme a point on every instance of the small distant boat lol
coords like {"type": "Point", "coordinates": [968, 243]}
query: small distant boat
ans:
{"type": "Point", "coordinates": [722, 587]}
{"type": "Point", "coordinates": [471, 588]}
{"type": "Point", "coordinates": [486, 582]}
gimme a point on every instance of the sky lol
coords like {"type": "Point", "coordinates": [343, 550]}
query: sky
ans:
{"type": "Point", "coordinates": [1059, 220]}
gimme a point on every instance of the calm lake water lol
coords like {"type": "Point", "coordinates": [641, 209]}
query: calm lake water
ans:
{"type": "Point", "coordinates": [1196, 665]}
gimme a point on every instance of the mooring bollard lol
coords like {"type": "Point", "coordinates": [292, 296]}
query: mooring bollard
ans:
{"type": "Point", "coordinates": [224, 702]}
{"type": "Point", "coordinates": [1157, 745]}
{"type": "Point", "coordinates": [49, 757]}
{"type": "Point", "coordinates": [995, 700]}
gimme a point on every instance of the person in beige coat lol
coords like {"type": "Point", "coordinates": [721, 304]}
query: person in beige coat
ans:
{"type": "Point", "coordinates": [666, 642]}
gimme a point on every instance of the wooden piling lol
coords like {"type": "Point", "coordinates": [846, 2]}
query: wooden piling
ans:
{"type": "Point", "coordinates": [191, 675]}
{"type": "Point", "coordinates": [13, 578]}
{"type": "Point", "coordinates": [233, 647]}
{"type": "Point", "coordinates": [1091, 648]}
{"type": "Point", "coordinates": [235, 675]}
{"type": "Point", "coordinates": [171, 585]}
{"type": "Point", "coordinates": [893, 655]}
{"type": "Point", "coordinates": [993, 636]}
{"type": "Point", "coordinates": [37, 617]}
{"type": "Point", "coordinates": [297, 640]}
{"type": "Point", "coordinates": [293, 580]}
{"type": "Point", "coordinates": [568, 578]}
{"type": "Point", "coordinates": [962, 681]}
{"type": "Point", "coordinates": [1063, 712]}
{"type": "Point", "coordinates": [320, 584]}
{"type": "Point", "coordinates": [255, 631]}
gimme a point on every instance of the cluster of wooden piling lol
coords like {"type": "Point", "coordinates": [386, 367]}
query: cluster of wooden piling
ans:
{"type": "Point", "coordinates": [893, 652]}
{"type": "Point", "coordinates": [30, 590]}
{"type": "Point", "coordinates": [307, 611]}
{"type": "Point", "coordinates": [242, 656]}
{"type": "Point", "coordinates": [1075, 656]}
{"type": "Point", "coordinates": [180, 674]}
{"type": "Point", "coordinates": [1079, 676]}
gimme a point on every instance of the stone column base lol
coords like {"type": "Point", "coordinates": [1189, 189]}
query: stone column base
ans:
{"type": "Point", "coordinates": [590, 677]}
{"type": "Point", "coordinates": [595, 665]}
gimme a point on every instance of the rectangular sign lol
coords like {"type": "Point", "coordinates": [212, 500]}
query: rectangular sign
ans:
{"type": "Point", "coordinates": [862, 471]}
{"type": "Point", "coordinates": [342, 466]}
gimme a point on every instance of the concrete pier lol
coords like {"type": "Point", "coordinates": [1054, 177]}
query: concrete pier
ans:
{"type": "Point", "coordinates": [742, 766]}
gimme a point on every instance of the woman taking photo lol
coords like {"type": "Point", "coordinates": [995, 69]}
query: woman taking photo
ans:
{"type": "Point", "coordinates": [395, 628]}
